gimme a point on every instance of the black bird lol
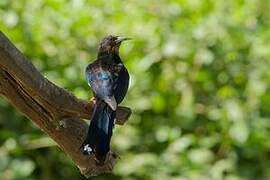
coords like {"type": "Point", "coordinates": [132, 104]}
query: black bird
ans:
{"type": "Point", "coordinates": [109, 81]}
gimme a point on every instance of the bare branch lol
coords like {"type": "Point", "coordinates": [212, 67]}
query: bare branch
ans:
{"type": "Point", "coordinates": [56, 111]}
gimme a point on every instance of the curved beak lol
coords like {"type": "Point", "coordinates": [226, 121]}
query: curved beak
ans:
{"type": "Point", "coordinates": [121, 39]}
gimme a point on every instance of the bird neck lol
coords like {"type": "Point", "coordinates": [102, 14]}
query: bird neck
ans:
{"type": "Point", "coordinates": [111, 57]}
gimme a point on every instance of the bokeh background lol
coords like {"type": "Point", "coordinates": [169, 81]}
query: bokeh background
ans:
{"type": "Point", "coordinates": [200, 83]}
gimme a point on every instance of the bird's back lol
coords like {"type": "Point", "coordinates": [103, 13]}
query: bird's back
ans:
{"type": "Point", "coordinates": [108, 79]}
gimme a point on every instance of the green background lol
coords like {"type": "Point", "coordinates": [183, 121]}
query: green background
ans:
{"type": "Point", "coordinates": [199, 91]}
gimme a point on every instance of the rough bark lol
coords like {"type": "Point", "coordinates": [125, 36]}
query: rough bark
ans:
{"type": "Point", "coordinates": [56, 111]}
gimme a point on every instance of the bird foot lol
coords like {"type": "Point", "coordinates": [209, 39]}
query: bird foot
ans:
{"type": "Point", "coordinates": [116, 155]}
{"type": "Point", "coordinates": [93, 100]}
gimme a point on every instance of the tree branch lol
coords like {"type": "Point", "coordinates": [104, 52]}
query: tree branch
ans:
{"type": "Point", "coordinates": [56, 111]}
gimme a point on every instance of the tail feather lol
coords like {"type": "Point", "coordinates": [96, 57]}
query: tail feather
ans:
{"type": "Point", "coordinates": [100, 131]}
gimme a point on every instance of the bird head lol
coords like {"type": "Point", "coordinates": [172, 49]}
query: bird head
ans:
{"type": "Point", "coordinates": [111, 44]}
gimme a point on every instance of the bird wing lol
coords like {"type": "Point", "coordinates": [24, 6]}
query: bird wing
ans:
{"type": "Point", "coordinates": [102, 82]}
{"type": "Point", "coordinates": [122, 83]}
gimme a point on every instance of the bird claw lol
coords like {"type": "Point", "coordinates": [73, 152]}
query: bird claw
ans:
{"type": "Point", "coordinates": [93, 100]}
{"type": "Point", "coordinates": [110, 166]}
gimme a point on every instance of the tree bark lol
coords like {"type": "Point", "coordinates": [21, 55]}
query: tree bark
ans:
{"type": "Point", "coordinates": [56, 111]}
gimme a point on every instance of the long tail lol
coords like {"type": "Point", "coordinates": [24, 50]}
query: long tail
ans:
{"type": "Point", "coordinates": [100, 131]}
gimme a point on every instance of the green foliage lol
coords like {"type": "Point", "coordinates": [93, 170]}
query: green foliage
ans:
{"type": "Point", "coordinates": [199, 85]}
